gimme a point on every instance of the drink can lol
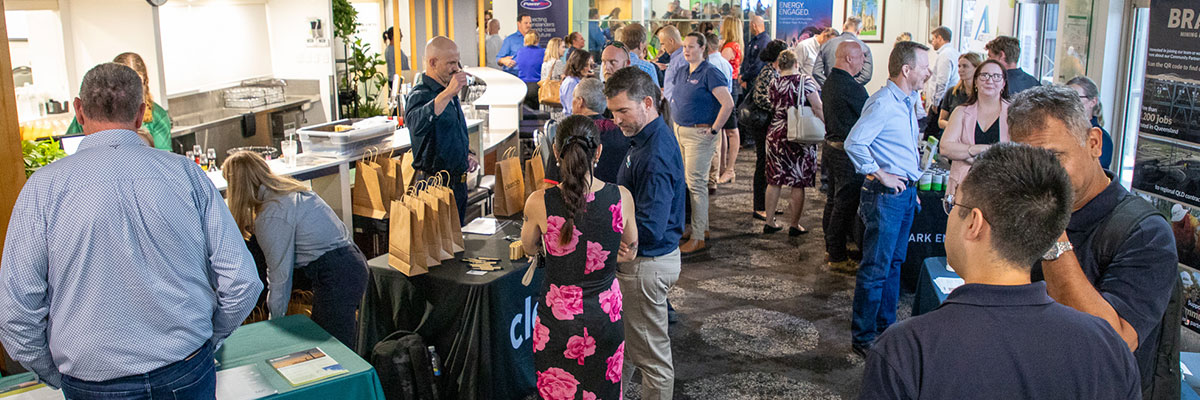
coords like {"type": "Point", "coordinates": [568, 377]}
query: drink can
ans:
{"type": "Point", "coordinates": [926, 181]}
{"type": "Point", "coordinates": [939, 182]}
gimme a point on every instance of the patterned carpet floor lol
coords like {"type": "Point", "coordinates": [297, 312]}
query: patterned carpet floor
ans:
{"type": "Point", "coordinates": [761, 316]}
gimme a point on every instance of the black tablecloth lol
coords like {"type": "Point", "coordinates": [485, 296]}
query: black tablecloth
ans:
{"type": "Point", "coordinates": [479, 324]}
{"type": "Point", "coordinates": [926, 238]}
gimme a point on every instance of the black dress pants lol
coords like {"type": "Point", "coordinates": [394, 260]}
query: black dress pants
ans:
{"type": "Point", "coordinates": [840, 220]}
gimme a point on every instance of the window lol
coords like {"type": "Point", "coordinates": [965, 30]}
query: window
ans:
{"type": "Point", "coordinates": [1037, 29]}
{"type": "Point", "coordinates": [1126, 135]}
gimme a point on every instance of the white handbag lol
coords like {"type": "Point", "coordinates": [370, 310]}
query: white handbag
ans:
{"type": "Point", "coordinates": [804, 126]}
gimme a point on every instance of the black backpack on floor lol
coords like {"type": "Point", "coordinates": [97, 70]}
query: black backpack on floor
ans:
{"type": "Point", "coordinates": [406, 370]}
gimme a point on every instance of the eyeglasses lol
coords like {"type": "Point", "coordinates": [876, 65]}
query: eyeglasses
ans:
{"type": "Point", "coordinates": [948, 204]}
{"type": "Point", "coordinates": [991, 77]}
{"type": "Point", "coordinates": [616, 44]}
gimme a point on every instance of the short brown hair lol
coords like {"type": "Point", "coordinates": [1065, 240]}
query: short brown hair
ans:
{"type": "Point", "coordinates": [905, 53]}
{"type": "Point", "coordinates": [577, 63]}
{"type": "Point", "coordinates": [786, 60]}
{"type": "Point", "coordinates": [633, 35]}
{"type": "Point", "coordinates": [1010, 46]}
{"type": "Point", "coordinates": [943, 32]}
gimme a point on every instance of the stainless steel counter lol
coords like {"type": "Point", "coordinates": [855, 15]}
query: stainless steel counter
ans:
{"type": "Point", "coordinates": [190, 123]}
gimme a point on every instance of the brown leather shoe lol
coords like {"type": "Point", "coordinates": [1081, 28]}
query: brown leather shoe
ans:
{"type": "Point", "coordinates": [848, 267]}
{"type": "Point", "coordinates": [687, 235]}
{"type": "Point", "coordinates": [693, 246]}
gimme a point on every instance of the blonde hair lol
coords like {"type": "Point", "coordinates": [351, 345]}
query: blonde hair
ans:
{"type": "Point", "coordinates": [531, 38]}
{"type": "Point", "coordinates": [134, 61]}
{"type": "Point", "coordinates": [731, 30]}
{"type": "Point", "coordinates": [244, 173]}
{"type": "Point", "coordinates": [553, 50]}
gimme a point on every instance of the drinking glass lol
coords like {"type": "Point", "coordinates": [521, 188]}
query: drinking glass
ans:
{"type": "Point", "coordinates": [289, 152]}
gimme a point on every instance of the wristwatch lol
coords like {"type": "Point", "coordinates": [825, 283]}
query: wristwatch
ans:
{"type": "Point", "coordinates": [713, 131]}
{"type": "Point", "coordinates": [1057, 250]}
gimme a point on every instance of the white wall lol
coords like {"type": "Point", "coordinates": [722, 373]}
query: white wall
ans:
{"type": "Point", "coordinates": [95, 31]}
{"type": "Point", "coordinates": [213, 45]}
{"type": "Point", "coordinates": [506, 12]}
{"type": "Point", "coordinates": [291, 58]}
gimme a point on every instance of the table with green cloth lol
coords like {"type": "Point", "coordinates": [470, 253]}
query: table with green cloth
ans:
{"type": "Point", "coordinates": [480, 325]}
{"type": "Point", "coordinates": [257, 342]}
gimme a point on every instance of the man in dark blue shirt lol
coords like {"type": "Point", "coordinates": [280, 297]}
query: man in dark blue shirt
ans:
{"type": "Point", "coordinates": [435, 119]}
{"type": "Point", "coordinates": [1129, 287]}
{"type": "Point", "coordinates": [843, 98]}
{"type": "Point", "coordinates": [751, 64]}
{"type": "Point", "coordinates": [513, 43]}
{"type": "Point", "coordinates": [653, 173]}
{"type": "Point", "coordinates": [999, 336]}
{"type": "Point", "coordinates": [1007, 50]}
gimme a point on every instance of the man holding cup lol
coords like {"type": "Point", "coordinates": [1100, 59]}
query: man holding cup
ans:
{"type": "Point", "coordinates": [436, 121]}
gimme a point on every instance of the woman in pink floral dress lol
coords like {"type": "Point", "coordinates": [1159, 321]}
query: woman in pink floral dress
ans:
{"type": "Point", "coordinates": [578, 335]}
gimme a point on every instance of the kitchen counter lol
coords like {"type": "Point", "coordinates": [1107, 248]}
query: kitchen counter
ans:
{"type": "Point", "coordinates": [189, 123]}
{"type": "Point", "coordinates": [331, 178]}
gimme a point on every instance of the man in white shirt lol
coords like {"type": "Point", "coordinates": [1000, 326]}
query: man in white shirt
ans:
{"type": "Point", "coordinates": [806, 51]}
{"type": "Point", "coordinates": [493, 43]}
{"type": "Point", "coordinates": [945, 68]}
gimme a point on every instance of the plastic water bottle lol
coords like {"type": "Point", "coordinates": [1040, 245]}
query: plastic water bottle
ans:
{"type": "Point", "coordinates": [437, 361]}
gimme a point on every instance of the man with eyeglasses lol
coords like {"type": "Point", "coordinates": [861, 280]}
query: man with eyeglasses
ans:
{"type": "Point", "coordinates": [435, 118]}
{"type": "Point", "coordinates": [999, 336]}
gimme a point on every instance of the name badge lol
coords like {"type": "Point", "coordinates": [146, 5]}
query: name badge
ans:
{"type": "Point", "coordinates": [694, 81]}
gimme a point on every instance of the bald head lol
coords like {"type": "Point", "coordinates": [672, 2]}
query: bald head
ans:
{"type": "Point", "coordinates": [849, 57]}
{"type": "Point", "coordinates": [613, 59]}
{"type": "Point", "coordinates": [441, 58]}
{"type": "Point", "coordinates": [757, 25]}
{"type": "Point", "coordinates": [493, 26]}
{"type": "Point", "coordinates": [670, 39]}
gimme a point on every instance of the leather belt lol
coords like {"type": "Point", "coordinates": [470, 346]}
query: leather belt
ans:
{"type": "Point", "coordinates": [700, 126]}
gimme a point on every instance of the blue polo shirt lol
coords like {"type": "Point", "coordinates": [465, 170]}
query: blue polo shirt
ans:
{"type": "Point", "coordinates": [1139, 280]}
{"type": "Point", "coordinates": [512, 44]}
{"type": "Point", "coordinates": [1001, 342]}
{"type": "Point", "coordinates": [653, 173]}
{"type": "Point", "coordinates": [693, 101]}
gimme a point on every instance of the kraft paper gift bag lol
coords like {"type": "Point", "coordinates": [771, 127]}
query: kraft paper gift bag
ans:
{"type": "Point", "coordinates": [446, 201]}
{"type": "Point", "coordinates": [428, 240]}
{"type": "Point", "coordinates": [535, 173]}
{"type": "Point", "coordinates": [442, 243]}
{"type": "Point", "coordinates": [367, 196]}
{"type": "Point", "coordinates": [406, 169]}
{"type": "Point", "coordinates": [406, 252]}
{"type": "Point", "coordinates": [510, 185]}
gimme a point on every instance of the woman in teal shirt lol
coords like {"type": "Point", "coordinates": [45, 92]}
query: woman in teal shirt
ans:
{"type": "Point", "coordinates": [156, 120]}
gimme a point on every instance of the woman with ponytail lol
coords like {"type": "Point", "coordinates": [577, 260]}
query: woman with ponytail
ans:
{"type": "Point", "coordinates": [579, 335]}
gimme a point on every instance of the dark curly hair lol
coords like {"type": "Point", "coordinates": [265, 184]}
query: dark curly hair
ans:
{"type": "Point", "coordinates": [770, 53]}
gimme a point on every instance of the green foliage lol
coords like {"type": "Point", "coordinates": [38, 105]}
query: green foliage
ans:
{"type": "Point", "coordinates": [40, 153]}
{"type": "Point", "coordinates": [362, 75]}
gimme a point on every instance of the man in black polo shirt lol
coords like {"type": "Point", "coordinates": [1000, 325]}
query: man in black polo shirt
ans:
{"type": "Point", "coordinates": [844, 98]}
{"type": "Point", "coordinates": [435, 118]}
{"type": "Point", "coordinates": [1124, 272]}
{"type": "Point", "coordinates": [999, 336]}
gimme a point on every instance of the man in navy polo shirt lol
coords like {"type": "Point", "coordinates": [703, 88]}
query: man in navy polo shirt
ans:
{"type": "Point", "coordinates": [700, 105]}
{"type": "Point", "coordinates": [999, 336]}
{"type": "Point", "coordinates": [1129, 283]}
{"type": "Point", "coordinates": [653, 173]}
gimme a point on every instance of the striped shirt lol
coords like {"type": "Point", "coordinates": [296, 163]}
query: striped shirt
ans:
{"type": "Point", "coordinates": [120, 259]}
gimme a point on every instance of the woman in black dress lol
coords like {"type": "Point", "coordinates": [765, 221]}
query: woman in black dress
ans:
{"type": "Point", "coordinates": [579, 336]}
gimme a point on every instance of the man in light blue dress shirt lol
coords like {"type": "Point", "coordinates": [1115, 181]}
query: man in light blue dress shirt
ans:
{"type": "Point", "coordinates": [883, 146]}
{"type": "Point", "coordinates": [672, 43]}
{"type": "Point", "coordinates": [123, 268]}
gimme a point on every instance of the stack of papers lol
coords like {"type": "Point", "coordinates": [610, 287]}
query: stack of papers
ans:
{"type": "Point", "coordinates": [486, 226]}
{"type": "Point", "coordinates": [31, 390]}
{"type": "Point", "coordinates": [242, 383]}
{"type": "Point", "coordinates": [306, 366]}
{"type": "Point", "coordinates": [947, 285]}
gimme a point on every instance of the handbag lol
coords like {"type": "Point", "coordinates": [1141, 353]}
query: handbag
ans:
{"type": "Point", "coordinates": [751, 116]}
{"type": "Point", "coordinates": [548, 92]}
{"type": "Point", "coordinates": [803, 125]}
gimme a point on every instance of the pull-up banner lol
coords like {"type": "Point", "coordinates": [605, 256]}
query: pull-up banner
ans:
{"type": "Point", "coordinates": [551, 18]}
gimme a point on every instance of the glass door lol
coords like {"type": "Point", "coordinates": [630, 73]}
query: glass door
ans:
{"type": "Point", "coordinates": [1125, 134]}
{"type": "Point", "coordinates": [1037, 30]}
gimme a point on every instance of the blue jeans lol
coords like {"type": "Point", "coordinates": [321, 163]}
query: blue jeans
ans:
{"type": "Point", "coordinates": [887, 217]}
{"type": "Point", "coordinates": [339, 279]}
{"type": "Point", "coordinates": [191, 378]}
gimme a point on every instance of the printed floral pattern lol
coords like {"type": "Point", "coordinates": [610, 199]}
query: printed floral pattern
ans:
{"type": "Point", "coordinates": [580, 347]}
{"type": "Point", "coordinates": [596, 256]}
{"type": "Point", "coordinates": [557, 384]}
{"type": "Point", "coordinates": [610, 301]}
{"type": "Point", "coordinates": [614, 364]}
{"type": "Point", "coordinates": [553, 239]}
{"type": "Point", "coordinates": [581, 301]}
{"type": "Point", "coordinates": [618, 220]}
{"type": "Point", "coordinates": [541, 335]}
{"type": "Point", "coordinates": [565, 301]}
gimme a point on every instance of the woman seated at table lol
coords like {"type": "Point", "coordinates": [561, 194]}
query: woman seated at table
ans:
{"type": "Point", "coordinates": [155, 121]}
{"type": "Point", "coordinates": [582, 223]}
{"type": "Point", "coordinates": [977, 124]}
{"type": "Point", "coordinates": [297, 230]}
